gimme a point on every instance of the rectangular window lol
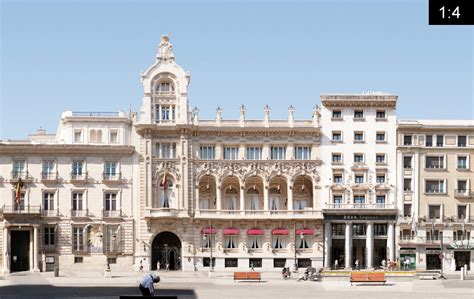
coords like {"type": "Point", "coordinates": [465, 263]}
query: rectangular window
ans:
{"type": "Point", "coordinates": [48, 201]}
{"type": "Point", "coordinates": [254, 153]}
{"type": "Point", "coordinates": [337, 201]}
{"type": "Point", "coordinates": [336, 158]}
{"type": "Point", "coordinates": [279, 263]}
{"type": "Point", "coordinates": [302, 152]}
{"type": "Point", "coordinates": [77, 201]}
{"type": "Point", "coordinates": [429, 140]}
{"type": "Point", "coordinates": [110, 168]}
{"type": "Point", "coordinates": [255, 242]}
{"type": "Point", "coordinates": [462, 162]}
{"type": "Point", "coordinates": [380, 179]}
{"type": "Point", "coordinates": [278, 242]}
{"type": "Point", "coordinates": [165, 150]}
{"type": "Point", "coordinates": [380, 200]}
{"type": "Point", "coordinates": [434, 186]}
{"type": "Point", "coordinates": [380, 137]}
{"type": "Point", "coordinates": [462, 141]}
{"type": "Point", "coordinates": [380, 229]}
{"type": "Point", "coordinates": [359, 114]}
{"type": "Point", "coordinates": [77, 135]}
{"type": "Point", "coordinates": [439, 140]}
{"type": "Point", "coordinates": [338, 179]}
{"type": "Point", "coordinates": [231, 153]}
{"type": "Point", "coordinates": [407, 184]}
{"type": "Point", "coordinates": [113, 136]}
{"type": "Point", "coordinates": [359, 201]}
{"type": "Point", "coordinates": [207, 152]}
{"type": "Point", "coordinates": [78, 239]}
{"type": "Point", "coordinates": [359, 136]}
{"type": "Point", "coordinates": [359, 179]}
{"type": "Point", "coordinates": [49, 236]}
{"type": "Point", "coordinates": [336, 114]}
{"type": "Point", "coordinates": [230, 242]}
{"type": "Point", "coordinates": [18, 169]}
{"type": "Point", "coordinates": [380, 159]}
{"type": "Point", "coordinates": [358, 158]}
{"type": "Point", "coordinates": [78, 259]}
{"type": "Point", "coordinates": [338, 229]}
{"type": "Point", "coordinates": [462, 212]}
{"type": "Point", "coordinates": [434, 212]}
{"type": "Point", "coordinates": [21, 205]}
{"type": "Point", "coordinates": [380, 114]}
{"type": "Point", "coordinates": [407, 162]}
{"type": "Point", "coordinates": [110, 201]}
{"type": "Point", "coordinates": [206, 262]}
{"type": "Point", "coordinates": [77, 168]}
{"type": "Point", "coordinates": [303, 241]}
{"type": "Point", "coordinates": [255, 263]}
{"type": "Point", "coordinates": [165, 113]}
{"type": "Point", "coordinates": [231, 263]}
{"type": "Point", "coordinates": [48, 168]}
{"type": "Point", "coordinates": [336, 136]}
{"type": "Point", "coordinates": [278, 152]}
{"type": "Point", "coordinates": [462, 186]}
{"type": "Point", "coordinates": [358, 229]}
{"type": "Point", "coordinates": [434, 162]}
{"type": "Point", "coordinates": [407, 210]}
{"type": "Point", "coordinates": [407, 140]}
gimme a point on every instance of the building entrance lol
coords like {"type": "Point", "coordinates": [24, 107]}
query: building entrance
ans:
{"type": "Point", "coordinates": [166, 250]}
{"type": "Point", "coordinates": [20, 250]}
{"type": "Point", "coordinates": [462, 258]}
{"type": "Point", "coordinates": [337, 253]}
{"type": "Point", "coordinates": [380, 252]}
{"type": "Point", "coordinates": [433, 262]}
{"type": "Point", "coordinates": [358, 252]}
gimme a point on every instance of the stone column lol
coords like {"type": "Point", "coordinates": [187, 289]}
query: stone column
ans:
{"type": "Point", "coordinates": [196, 191]}
{"type": "Point", "coordinates": [327, 245]}
{"type": "Point", "coordinates": [265, 197]}
{"type": "Point", "coordinates": [348, 245]}
{"type": "Point", "coordinates": [314, 194]}
{"type": "Point", "coordinates": [6, 254]}
{"type": "Point", "coordinates": [242, 198]}
{"type": "Point", "coordinates": [369, 245]}
{"type": "Point", "coordinates": [390, 241]}
{"type": "Point", "coordinates": [35, 249]}
{"type": "Point", "coordinates": [290, 196]}
{"type": "Point", "coordinates": [31, 261]}
{"type": "Point", "coordinates": [218, 199]}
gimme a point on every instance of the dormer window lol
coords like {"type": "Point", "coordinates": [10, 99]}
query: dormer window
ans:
{"type": "Point", "coordinates": [165, 88]}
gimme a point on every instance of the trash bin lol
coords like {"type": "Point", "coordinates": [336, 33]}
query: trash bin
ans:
{"type": "Point", "coordinates": [56, 271]}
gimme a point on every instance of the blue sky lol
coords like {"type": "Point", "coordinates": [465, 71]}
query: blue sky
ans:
{"type": "Point", "coordinates": [88, 55]}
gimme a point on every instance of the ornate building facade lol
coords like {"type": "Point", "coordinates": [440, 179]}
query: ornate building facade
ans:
{"type": "Point", "coordinates": [163, 188]}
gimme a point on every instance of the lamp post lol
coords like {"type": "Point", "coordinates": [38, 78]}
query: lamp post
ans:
{"type": "Point", "coordinates": [296, 262]}
{"type": "Point", "coordinates": [441, 256]}
{"type": "Point", "coordinates": [204, 237]}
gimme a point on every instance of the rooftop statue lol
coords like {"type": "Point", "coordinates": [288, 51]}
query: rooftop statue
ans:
{"type": "Point", "coordinates": [165, 49]}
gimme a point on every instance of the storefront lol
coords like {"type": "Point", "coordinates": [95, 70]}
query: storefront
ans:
{"type": "Point", "coordinates": [407, 254]}
{"type": "Point", "coordinates": [433, 259]}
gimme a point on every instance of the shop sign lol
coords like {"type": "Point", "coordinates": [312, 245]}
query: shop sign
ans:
{"type": "Point", "coordinates": [49, 259]}
{"type": "Point", "coordinates": [433, 251]}
{"type": "Point", "coordinates": [359, 217]}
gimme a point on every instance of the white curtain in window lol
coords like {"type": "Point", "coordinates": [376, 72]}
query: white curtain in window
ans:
{"type": "Point", "coordinates": [274, 202]}
{"type": "Point", "coordinates": [302, 243]}
{"type": "Point", "coordinates": [254, 202]}
{"type": "Point", "coordinates": [204, 203]}
{"type": "Point", "coordinates": [232, 199]}
{"type": "Point", "coordinates": [230, 242]}
{"type": "Point", "coordinates": [255, 242]}
{"type": "Point", "coordinates": [278, 242]}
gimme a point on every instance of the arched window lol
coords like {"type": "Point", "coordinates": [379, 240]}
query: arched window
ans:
{"type": "Point", "coordinates": [92, 136]}
{"type": "Point", "coordinates": [231, 198]}
{"type": "Point", "coordinates": [99, 136]}
{"type": "Point", "coordinates": [165, 191]}
{"type": "Point", "coordinates": [253, 198]}
{"type": "Point", "coordinates": [165, 88]}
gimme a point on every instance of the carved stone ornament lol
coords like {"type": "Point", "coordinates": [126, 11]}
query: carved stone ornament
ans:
{"type": "Point", "coordinates": [165, 52]}
{"type": "Point", "coordinates": [170, 168]}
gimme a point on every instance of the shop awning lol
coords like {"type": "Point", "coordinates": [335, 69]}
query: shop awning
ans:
{"type": "Point", "coordinates": [464, 244]}
{"type": "Point", "coordinates": [231, 231]}
{"type": "Point", "coordinates": [280, 231]}
{"type": "Point", "coordinates": [305, 231]}
{"type": "Point", "coordinates": [255, 232]}
{"type": "Point", "coordinates": [209, 230]}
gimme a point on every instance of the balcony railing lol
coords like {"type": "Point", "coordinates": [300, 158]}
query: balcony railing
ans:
{"type": "Point", "coordinates": [79, 177]}
{"type": "Point", "coordinates": [111, 214]}
{"type": "Point", "coordinates": [255, 214]}
{"type": "Point", "coordinates": [165, 212]}
{"type": "Point", "coordinates": [80, 213]}
{"type": "Point", "coordinates": [22, 209]}
{"type": "Point", "coordinates": [350, 206]}
{"type": "Point", "coordinates": [51, 213]}
{"type": "Point", "coordinates": [49, 176]}
{"type": "Point", "coordinates": [463, 193]}
{"type": "Point", "coordinates": [16, 175]}
{"type": "Point", "coordinates": [359, 166]}
{"type": "Point", "coordinates": [112, 177]}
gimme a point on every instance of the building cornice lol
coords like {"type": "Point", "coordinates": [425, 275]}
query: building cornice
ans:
{"type": "Point", "coordinates": [65, 149]}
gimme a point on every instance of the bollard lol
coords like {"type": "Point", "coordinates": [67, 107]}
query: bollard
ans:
{"type": "Point", "coordinates": [462, 274]}
{"type": "Point", "coordinates": [465, 270]}
{"type": "Point", "coordinates": [56, 271]}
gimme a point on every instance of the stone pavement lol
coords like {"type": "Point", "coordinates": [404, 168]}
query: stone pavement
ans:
{"type": "Point", "coordinates": [190, 285]}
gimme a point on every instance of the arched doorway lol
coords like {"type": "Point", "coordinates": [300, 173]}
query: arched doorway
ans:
{"type": "Point", "coordinates": [166, 249]}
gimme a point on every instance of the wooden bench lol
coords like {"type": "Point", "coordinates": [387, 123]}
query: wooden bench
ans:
{"type": "Point", "coordinates": [368, 277]}
{"type": "Point", "coordinates": [249, 276]}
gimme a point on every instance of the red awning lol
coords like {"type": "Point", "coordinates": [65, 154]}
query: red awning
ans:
{"type": "Point", "coordinates": [231, 231]}
{"type": "Point", "coordinates": [209, 230]}
{"type": "Point", "coordinates": [255, 232]}
{"type": "Point", "coordinates": [280, 231]}
{"type": "Point", "coordinates": [305, 231]}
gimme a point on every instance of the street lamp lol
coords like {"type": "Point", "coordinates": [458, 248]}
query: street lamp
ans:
{"type": "Point", "coordinates": [302, 237]}
{"type": "Point", "coordinates": [204, 237]}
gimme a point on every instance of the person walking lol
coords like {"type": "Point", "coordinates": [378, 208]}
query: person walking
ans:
{"type": "Point", "coordinates": [141, 267]}
{"type": "Point", "coordinates": [357, 264]}
{"type": "Point", "coordinates": [384, 264]}
{"type": "Point", "coordinates": [147, 284]}
{"type": "Point", "coordinates": [336, 264]}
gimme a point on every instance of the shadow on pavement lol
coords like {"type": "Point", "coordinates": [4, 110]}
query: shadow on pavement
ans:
{"type": "Point", "coordinates": [48, 291]}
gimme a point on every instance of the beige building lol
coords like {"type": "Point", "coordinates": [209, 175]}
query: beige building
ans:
{"type": "Point", "coordinates": [435, 166]}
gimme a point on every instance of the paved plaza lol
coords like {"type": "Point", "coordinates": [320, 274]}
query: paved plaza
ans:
{"type": "Point", "coordinates": [221, 285]}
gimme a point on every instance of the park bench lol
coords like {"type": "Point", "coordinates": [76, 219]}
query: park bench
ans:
{"type": "Point", "coordinates": [249, 276]}
{"type": "Point", "coordinates": [368, 277]}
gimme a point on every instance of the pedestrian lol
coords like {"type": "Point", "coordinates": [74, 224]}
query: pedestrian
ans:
{"type": "Point", "coordinates": [396, 264]}
{"type": "Point", "coordinates": [357, 264]}
{"type": "Point", "coordinates": [158, 266]}
{"type": "Point", "coordinates": [146, 285]}
{"type": "Point", "coordinates": [141, 266]}
{"type": "Point", "coordinates": [406, 263]}
{"type": "Point", "coordinates": [389, 264]}
{"type": "Point", "coordinates": [384, 264]}
{"type": "Point", "coordinates": [251, 267]}
{"type": "Point", "coordinates": [167, 266]}
{"type": "Point", "coordinates": [336, 264]}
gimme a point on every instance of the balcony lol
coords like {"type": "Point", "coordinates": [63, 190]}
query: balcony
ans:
{"type": "Point", "coordinates": [112, 178]}
{"type": "Point", "coordinates": [308, 213]}
{"type": "Point", "coordinates": [31, 210]}
{"type": "Point", "coordinates": [23, 175]}
{"type": "Point", "coordinates": [51, 213]}
{"type": "Point", "coordinates": [166, 213]}
{"type": "Point", "coordinates": [463, 193]}
{"type": "Point", "coordinates": [49, 177]}
{"type": "Point", "coordinates": [111, 213]}
{"type": "Point", "coordinates": [79, 178]}
{"type": "Point", "coordinates": [359, 166]}
{"type": "Point", "coordinates": [80, 213]}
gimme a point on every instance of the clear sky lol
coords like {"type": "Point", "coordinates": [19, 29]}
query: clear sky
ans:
{"type": "Point", "coordinates": [88, 55]}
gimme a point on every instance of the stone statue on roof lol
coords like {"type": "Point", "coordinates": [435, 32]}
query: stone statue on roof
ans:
{"type": "Point", "coordinates": [165, 49]}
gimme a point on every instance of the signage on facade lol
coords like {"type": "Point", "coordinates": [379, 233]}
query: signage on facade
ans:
{"type": "Point", "coordinates": [360, 217]}
{"type": "Point", "coordinates": [433, 251]}
{"type": "Point", "coordinates": [49, 259]}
